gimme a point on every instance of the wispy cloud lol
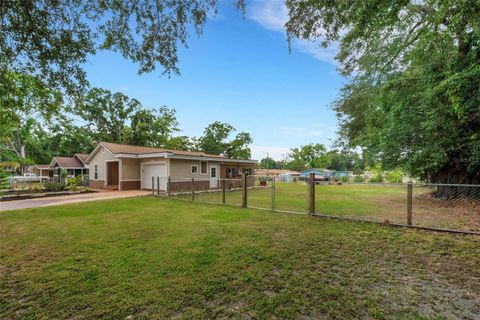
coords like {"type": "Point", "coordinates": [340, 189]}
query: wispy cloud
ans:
{"type": "Point", "coordinates": [273, 14]}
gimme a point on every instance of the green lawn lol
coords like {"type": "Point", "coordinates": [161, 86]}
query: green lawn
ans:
{"type": "Point", "coordinates": [157, 258]}
{"type": "Point", "coordinates": [378, 202]}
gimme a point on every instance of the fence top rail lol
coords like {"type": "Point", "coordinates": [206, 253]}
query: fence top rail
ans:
{"type": "Point", "coordinates": [448, 184]}
{"type": "Point", "coordinates": [177, 179]}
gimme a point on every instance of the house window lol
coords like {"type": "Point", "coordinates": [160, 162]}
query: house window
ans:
{"type": "Point", "coordinates": [247, 171]}
{"type": "Point", "coordinates": [203, 167]}
{"type": "Point", "coordinates": [95, 170]}
{"type": "Point", "coordinates": [194, 169]}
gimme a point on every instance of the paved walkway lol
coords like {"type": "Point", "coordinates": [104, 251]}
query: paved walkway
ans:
{"type": "Point", "coordinates": [53, 201]}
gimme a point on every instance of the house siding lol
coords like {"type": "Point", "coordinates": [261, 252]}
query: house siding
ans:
{"type": "Point", "coordinates": [99, 158]}
{"type": "Point", "coordinates": [130, 169]}
{"type": "Point", "coordinates": [183, 168]}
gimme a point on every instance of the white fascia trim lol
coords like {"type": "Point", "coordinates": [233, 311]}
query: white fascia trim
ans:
{"type": "Point", "coordinates": [214, 159]}
{"type": "Point", "coordinates": [52, 163]}
{"type": "Point", "coordinates": [142, 156]}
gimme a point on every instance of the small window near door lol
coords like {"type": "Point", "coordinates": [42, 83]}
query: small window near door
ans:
{"type": "Point", "coordinates": [213, 172]}
{"type": "Point", "coordinates": [203, 167]}
{"type": "Point", "coordinates": [194, 169]}
{"type": "Point", "coordinates": [95, 170]}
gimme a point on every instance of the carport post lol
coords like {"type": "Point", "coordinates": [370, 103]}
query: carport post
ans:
{"type": "Point", "coordinates": [244, 193]}
{"type": "Point", "coordinates": [153, 185]}
{"type": "Point", "coordinates": [409, 202]}
{"type": "Point", "coordinates": [223, 190]}
{"type": "Point", "coordinates": [158, 185]}
{"type": "Point", "coordinates": [311, 200]}
{"type": "Point", "coordinates": [193, 189]}
{"type": "Point", "coordinates": [168, 185]}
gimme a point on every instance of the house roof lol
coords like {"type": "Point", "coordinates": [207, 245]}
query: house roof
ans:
{"type": "Point", "coordinates": [82, 156]}
{"type": "Point", "coordinates": [116, 148]}
{"type": "Point", "coordinates": [130, 151]}
{"type": "Point", "coordinates": [42, 166]}
{"type": "Point", "coordinates": [67, 162]}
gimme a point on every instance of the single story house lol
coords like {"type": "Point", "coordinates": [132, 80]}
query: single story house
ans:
{"type": "Point", "coordinates": [127, 167]}
{"type": "Point", "coordinates": [42, 170]}
{"type": "Point", "coordinates": [74, 166]}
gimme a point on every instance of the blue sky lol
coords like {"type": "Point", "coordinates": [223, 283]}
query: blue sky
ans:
{"type": "Point", "coordinates": [240, 71]}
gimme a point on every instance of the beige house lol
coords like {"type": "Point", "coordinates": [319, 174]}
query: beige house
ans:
{"type": "Point", "coordinates": [42, 170]}
{"type": "Point", "coordinates": [73, 166]}
{"type": "Point", "coordinates": [126, 167]}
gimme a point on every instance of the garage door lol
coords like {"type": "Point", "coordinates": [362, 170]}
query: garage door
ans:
{"type": "Point", "coordinates": [154, 170]}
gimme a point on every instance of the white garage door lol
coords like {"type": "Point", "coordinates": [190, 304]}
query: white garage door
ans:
{"type": "Point", "coordinates": [154, 170]}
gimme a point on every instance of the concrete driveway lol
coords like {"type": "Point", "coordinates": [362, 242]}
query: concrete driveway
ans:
{"type": "Point", "coordinates": [53, 201]}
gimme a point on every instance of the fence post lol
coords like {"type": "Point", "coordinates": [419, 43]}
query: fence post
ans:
{"type": "Point", "coordinates": [223, 190]}
{"type": "Point", "coordinates": [311, 200]}
{"type": "Point", "coordinates": [153, 185]}
{"type": "Point", "coordinates": [409, 202]}
{"type": "Point", "coordinates": [193, 189]}
{"type": "Point", "coordinates": [244, 193]}
{"type": "Point", "coordinates": [273, 192]}
{"type": "Point", "coordinates": [168, 185]}
{"type": "Point", "coordinates": [158, 185]}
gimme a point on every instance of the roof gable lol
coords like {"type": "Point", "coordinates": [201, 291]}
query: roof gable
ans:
{"type": "Point", "coordinates": [67, 162]}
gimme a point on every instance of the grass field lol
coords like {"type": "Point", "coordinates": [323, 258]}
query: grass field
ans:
{"type": "Point", "coordinates": [378, 202]}
{"type": "Point", "coordinates": [162, 258]}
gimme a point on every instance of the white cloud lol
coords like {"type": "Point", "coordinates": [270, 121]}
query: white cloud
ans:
{"type": "Point", "coordinates": [276, 153]}
{"type": "Point", "coordinates": [273, 14]}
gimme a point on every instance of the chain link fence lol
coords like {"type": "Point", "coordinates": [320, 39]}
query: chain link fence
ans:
{"type": "Point", "coordinates": [434, 206]}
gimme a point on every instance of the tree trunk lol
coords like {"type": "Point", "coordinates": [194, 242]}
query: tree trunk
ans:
{"type": "Point", "coordinates": [454, 177]}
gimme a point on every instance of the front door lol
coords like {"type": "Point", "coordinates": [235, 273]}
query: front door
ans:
{"type": "Point", "coordinates": [213, 177]}
{"type": "Point", "coordinates": [112, 173]}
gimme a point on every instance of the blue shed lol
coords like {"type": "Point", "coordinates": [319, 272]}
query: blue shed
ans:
{"type": "Point", "coordinates": [340, 173]}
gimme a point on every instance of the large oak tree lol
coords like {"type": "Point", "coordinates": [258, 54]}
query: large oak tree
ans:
{"type": "Point", "coordinates": [413, 68]}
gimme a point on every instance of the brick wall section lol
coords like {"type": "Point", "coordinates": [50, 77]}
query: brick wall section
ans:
{"type": "Point", "coordinates": [186, 186]}
{"type": "Point", "coordinates": [130, 185]}
{"type": "Point", "coordinates": [96, 184]}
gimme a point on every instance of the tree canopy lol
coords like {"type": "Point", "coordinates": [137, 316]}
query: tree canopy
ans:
{"type": "Point", "coordinates": [413, 70]}
{"type": "Point", "coordinates": [214, 141]}
{"type": "Point", "coordinates": [52, 39]}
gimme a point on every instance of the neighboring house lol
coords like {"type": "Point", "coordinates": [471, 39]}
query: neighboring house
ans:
{"type": "Point", "coordinates": [342, 173]}
{"type": "Point", "coordinates": [74, 166]}
{"type": "Point", "coordinates": [42, 170]}
{"type": "Point", "coordinates": [127, 167]}
{"type": "Point", "coordinates": [10, 167]}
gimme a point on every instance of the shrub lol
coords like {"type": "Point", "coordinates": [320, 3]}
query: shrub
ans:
{"type": "Point", "coordinates": [358, 179]}
{"type": "Point", "coordinates": [35, 187]}
{"type": "Point", "coordinates": [394, 176]}
{"type": "Point", "coordinates": [344, 179]}
{"type": "Point", "coordinates": [377, 178]}
{"type": "Point", "coordinates": [53, 186]}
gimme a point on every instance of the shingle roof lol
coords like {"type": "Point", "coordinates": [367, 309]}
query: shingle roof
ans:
{"type": "Point", "coordinates": [125, 148]}
{"type": "Point", "coordinates": [82, 156]}
{"type": "Point", "coordinates": [42, 166]}
{"type": "Point", "coordinates": [67, 162]}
